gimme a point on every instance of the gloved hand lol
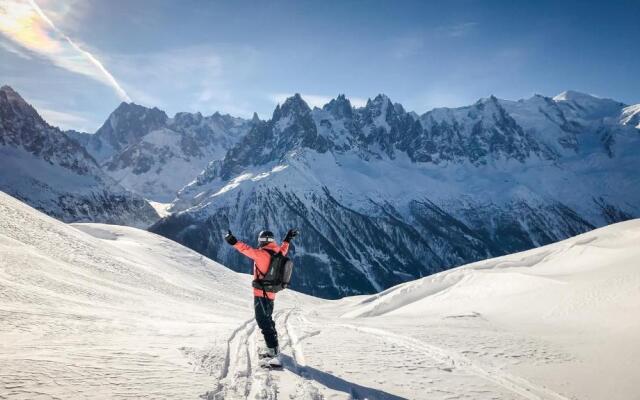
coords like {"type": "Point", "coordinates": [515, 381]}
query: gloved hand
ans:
{"type": "Point", "coordinates": [290, 235]}
{"type": "Point", "coordinates": [230, 238]}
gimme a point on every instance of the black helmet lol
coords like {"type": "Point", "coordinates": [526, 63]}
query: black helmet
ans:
{"type": "Point", "coordinates": [265, 237]}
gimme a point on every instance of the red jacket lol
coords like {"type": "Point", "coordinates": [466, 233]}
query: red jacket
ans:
{"type": "Point", "coordinates": [261, 259]}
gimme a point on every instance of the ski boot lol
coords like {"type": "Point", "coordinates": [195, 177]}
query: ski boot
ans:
{"type": "Point", "coordinates": [270, 358]}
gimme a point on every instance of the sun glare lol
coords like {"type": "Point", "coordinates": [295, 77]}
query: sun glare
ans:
{"type": "Point", "coordinates": [22, 24]}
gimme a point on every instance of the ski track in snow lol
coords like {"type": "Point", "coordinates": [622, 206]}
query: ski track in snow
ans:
{"type": "Point", "coordinates": [502, 378]}
{"type": "Point", "coordinates": [241, 377]}
{"type": "Point", "coordinates": [305, 387]}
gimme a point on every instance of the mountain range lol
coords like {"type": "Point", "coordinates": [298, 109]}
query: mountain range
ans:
{"type": "Point", "coordinates": [381, 195]}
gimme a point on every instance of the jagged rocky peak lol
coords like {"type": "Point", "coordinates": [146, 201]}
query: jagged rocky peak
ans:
{"type": "Point", "coordinates": [22, 126]}
{"type": "Point", "coordinates": [379, 101]}
{"type": "Point", "coordinates": [255, 118]}
{"type": "Point", "coordinates": [382, 106]}
{"type": "Point", "coordinates": [132, 110]}
{"type": "Point", "coordinates": [491, 103]}
{"type": "Point", "coordinates": [14, 106]}
{"type": "Point", "coordinates": [11, 95]}
{"type": "Point", "coordinates": [340, 107]}
{"type": "Point", "coordinates": [292, 106]}
{"type": "Point", "coordinates": [187, 118]}
{"type": "Point", "coordinates": [377, 111]}
{"type": "Point", "coordinates": [228, 121]}
{"type": "Point", "coordinates": [129, 122]}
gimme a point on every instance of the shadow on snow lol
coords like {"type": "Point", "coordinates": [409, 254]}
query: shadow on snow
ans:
{"type": "Point", "coordinates": [333, 382]}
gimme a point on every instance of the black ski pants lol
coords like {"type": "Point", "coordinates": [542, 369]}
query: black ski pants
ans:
{"type": "Point", "coordinates": [264, 311]}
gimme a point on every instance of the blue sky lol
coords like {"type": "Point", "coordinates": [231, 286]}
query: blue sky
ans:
{"type": "Point", "coordinates": [77, 60]}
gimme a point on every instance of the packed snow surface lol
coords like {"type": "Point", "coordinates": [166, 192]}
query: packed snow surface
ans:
{"type": "Point", "coordinates": [100, 311]}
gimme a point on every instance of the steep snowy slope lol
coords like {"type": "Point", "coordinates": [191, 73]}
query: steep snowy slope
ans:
{"type": "Point", "coordinates": [108, 312]}
{"type": "Point", "coordinates": [383, 196]}
{"type": "Point", "coordinates": [42, 166]}
{"type": "Point", "coordinates": [153, 155]}
{"type": "Point", "coordinates": [104, 311]}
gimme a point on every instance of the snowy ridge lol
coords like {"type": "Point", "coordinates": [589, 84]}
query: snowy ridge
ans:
{"type": "Point", "coordinates": [92, 310]}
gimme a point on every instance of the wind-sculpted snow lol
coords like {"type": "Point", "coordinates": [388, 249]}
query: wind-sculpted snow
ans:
{"type": "Point", "coordinates": [111, 312]}
{"type": "Point", "coordinates": [552, 268]}
{"type": "Point", "coordinates": [578, 294]}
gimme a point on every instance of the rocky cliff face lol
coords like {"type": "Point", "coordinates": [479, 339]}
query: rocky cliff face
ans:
{"type": "Point", "coordinates": [43, 167]}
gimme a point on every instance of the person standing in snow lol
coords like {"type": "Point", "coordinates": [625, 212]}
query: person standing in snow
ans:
{"type": "Point", "coordinates": [263, 301]}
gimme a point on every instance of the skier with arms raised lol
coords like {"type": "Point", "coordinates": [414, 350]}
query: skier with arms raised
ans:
{"type": "Point", "coordinates": [263, 298]}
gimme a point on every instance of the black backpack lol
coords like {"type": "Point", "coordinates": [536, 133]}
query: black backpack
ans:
{"type": "Point", "coordinates": [277, 276]}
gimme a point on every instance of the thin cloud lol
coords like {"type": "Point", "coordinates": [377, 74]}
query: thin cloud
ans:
{"type": "Point", "coordinates": [24, 23]}
{"type": "Point", "coordinates": [195, 78]}
{"type": "Point", "coordinates": [14, 50]}
{"type": "Point", "coordinates": [405, 47]}
{"type": "Point", "coordinates": [65, 120]}
{"type": "Point", "coordinates": [314, 100]}
{"type": "Point", "coordinates": [458, 30]}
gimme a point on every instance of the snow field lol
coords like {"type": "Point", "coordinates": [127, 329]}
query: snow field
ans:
{"type": "Point", "coordinates": [109, 312]}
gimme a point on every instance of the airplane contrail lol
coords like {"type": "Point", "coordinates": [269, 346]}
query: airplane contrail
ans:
{"type": "Point", "coordinates": [93, 60]}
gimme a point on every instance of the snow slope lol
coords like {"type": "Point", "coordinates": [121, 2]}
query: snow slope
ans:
{"type": "Point", "coordinates": [108, 312]}
{"type": "Point", "coordinates": [100, 311]}
{"type": "Point", "coordinates": [563, 314]}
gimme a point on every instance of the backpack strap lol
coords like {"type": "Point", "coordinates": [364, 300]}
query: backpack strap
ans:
{"type": "Point", "coordinates": [258, 272]}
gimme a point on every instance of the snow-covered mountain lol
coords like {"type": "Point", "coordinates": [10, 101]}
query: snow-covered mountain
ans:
{"type": "Point", "coordinates": [382, 195]}
{"type": "Point", "coordinates": [154, 155]}
{"type": "Point", "coordinates": [112, 312]}
{"type": "Point", "coordinates": [631, 116]}
{"type": "Point", "coordinates": [40, 165]}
